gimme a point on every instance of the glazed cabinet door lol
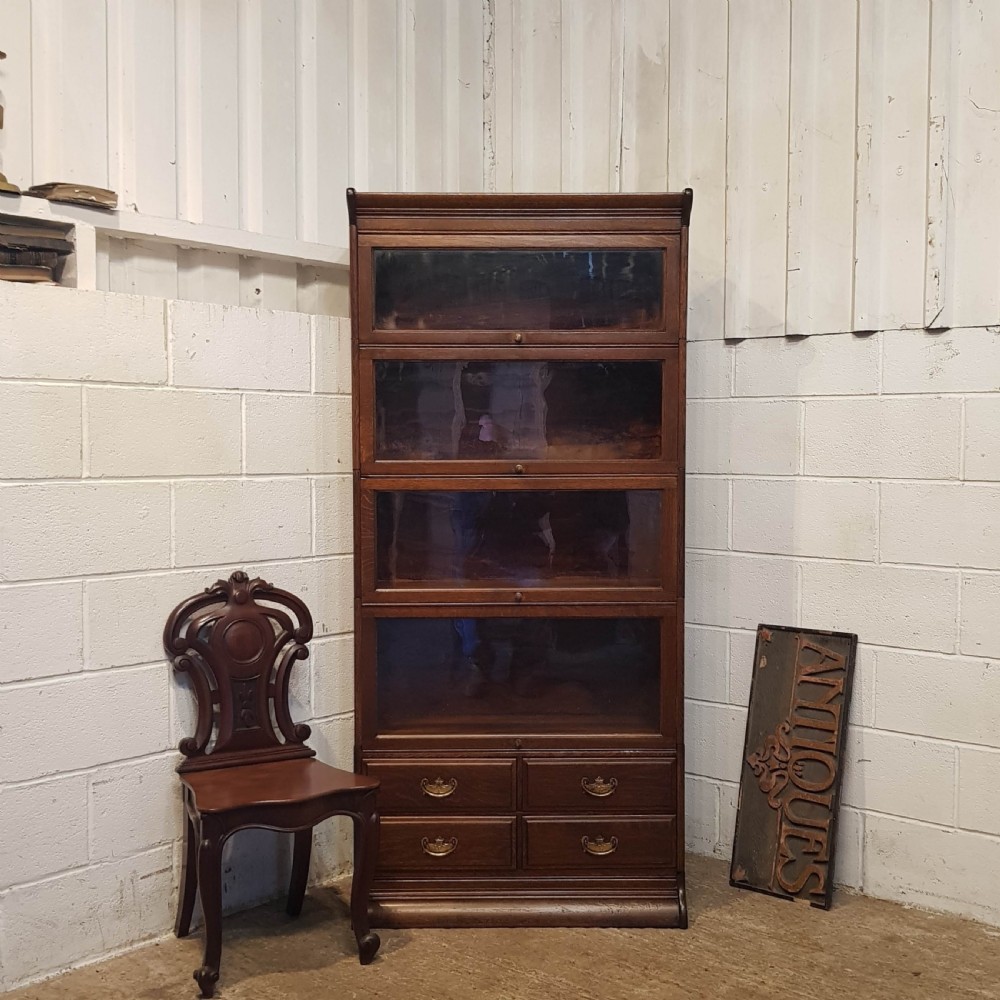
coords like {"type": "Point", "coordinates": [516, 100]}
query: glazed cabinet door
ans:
{"type": "Point", "coordinates": [448, 411]}
{"type": "Point", "coordinates": [518, 540]}
{"type": "Point", "coordinates": [488, 676]}
{"type": "Point", "coordinates": [560, 288]}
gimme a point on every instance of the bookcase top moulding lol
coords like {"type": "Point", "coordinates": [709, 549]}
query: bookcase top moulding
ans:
{"type": "Point", "coordinates": [630, 210]}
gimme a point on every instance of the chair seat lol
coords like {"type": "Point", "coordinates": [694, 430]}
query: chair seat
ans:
{"type": "Point", "coordinates": [278, 783]}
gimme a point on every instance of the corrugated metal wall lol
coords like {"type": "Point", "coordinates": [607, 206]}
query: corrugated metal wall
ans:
{"type": "Point", "coordinates": [845, 155]}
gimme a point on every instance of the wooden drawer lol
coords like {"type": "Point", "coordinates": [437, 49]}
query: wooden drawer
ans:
{"type": "Point", "coordinates": [601, 842]}
{"type": "Point", "coordinates": [445, 844]}
{"type": "Point", "coordinates": [604, 785]}
{"type": "Point", "coordinates": [445, 786]}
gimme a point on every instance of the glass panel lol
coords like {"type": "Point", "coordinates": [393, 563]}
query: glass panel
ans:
{"type": "Point", "coordinates": [512, 289]}
{"type": "Point", "coordinates": [559, 411]}
{"type": "Point", "coordinates": [518, 674]}
{"type": "Point", "coordinates": [518, 537]}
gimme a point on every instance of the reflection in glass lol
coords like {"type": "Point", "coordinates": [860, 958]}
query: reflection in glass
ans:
{"type": "Point", "coordinates": [553, 410]}
{"type": "Point", "coordinates": [511, 289]}
{"type": "Point", "coordinates": [518, 537]}
{"type": "Point", "coordinates": [518, 674]}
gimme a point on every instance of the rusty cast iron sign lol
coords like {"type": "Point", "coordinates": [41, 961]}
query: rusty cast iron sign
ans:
{"type": "Point", "coordinates": [790, 782]}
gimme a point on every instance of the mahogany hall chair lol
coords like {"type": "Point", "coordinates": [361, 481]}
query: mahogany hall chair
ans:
{"type": "Point", "coordinates": [238, 641]}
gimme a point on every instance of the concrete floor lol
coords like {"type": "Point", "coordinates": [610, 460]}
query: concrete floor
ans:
{"type": "Point", "coordinates": [739, 945]}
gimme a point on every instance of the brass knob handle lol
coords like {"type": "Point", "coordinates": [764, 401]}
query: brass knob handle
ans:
{"type": "Point", "coordinates": [599, 846]}
{"type": "Point", "coordinates": [598, 787]}
{"type": "Point", "coordinates": [518, 596]}
{"type": "Point", "coordinates": [439, 847]}
{"type": "Point", "coordinates": [438, 788]}
{"type": "Point", "coordinates": [519, 469]}
{"type": "Point", "coordinates": [518, 337]}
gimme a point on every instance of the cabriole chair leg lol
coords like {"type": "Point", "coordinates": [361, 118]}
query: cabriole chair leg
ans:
{"type": "Point", "coordinates": [366, 829]}
{"type": "Point", "coordinates": [210, 889]}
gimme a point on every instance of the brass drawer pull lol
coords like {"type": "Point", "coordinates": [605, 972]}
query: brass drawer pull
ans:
{"type": "Point", "coordinates": [599, 846]}
{"type": "Point", "coordinates": [598, 787]}
{"type": "Point", "coordinates": [519, 469]}
{"type": "Point", "coordinates": [439, 788]}
{"type": "Point", "coordinates": [439, 847]}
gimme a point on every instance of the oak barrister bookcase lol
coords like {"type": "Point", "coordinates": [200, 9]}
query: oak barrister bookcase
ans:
{"type": "Point", "coordinates": [518, 495]}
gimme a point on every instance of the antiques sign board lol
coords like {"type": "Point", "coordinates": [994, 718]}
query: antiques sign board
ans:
{"type": "Point", "coordinates": [792, 763]}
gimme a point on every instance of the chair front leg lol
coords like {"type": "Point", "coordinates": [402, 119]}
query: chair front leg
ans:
{"type": "Point", "coordinates": [210, 888]}
{"type": "Point", "coordinates": [301, 851]}
{"type": "Point", "coordinates": [189, 878]}
{"type": "Point", "coordinates": [366, 828]}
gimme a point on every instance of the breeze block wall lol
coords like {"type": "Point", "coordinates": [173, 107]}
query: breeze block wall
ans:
{"type": "Point", "coordinates": [150, 447]}
{"type": "Point", "coordinates": [852, 482]}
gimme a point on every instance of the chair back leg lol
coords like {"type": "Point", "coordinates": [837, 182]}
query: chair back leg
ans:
{"type": "Point", "coordinates": [189, 879]}
{"type": "Point", "coordinates": [301, 851]}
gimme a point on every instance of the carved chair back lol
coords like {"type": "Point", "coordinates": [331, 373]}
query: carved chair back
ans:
{"type": "Point", "coordinates": [238, 653]}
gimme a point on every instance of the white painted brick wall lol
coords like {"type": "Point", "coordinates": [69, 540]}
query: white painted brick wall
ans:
{"type": "Point", "coordinates": [936, 866]}
{"type": "Point", "coordinates": [298, 433]}
{"type": "Point", "coordinates": [50, 333]}
{"type": "Point", "coordinates": [979, 789]}
{"type": "Point", "coordinates": [215, 347]}
{"type": "Point", "coordinates": [85, 911]}
{"type": "Point", "coordinates": [944, 524]}
{"type": "Point", "coordinates": [43, 827]}
{"type": "Point", "coordinates": [739, 590]}
{"type": "Point", "coordinates": [236, 519]}
{"type": "Point", "coordinates": [829, 520]}
{"type": "Point", "coordinates": [707, 512]}
{"type": "Point", "coordinates": [334, 514]}
{"type": "Point", "coordinates": [744, 436]}
{"type": "Point", "coordinates": [706, 663]}
{"type": "Point", "coordinates": [56, 649]}
{"type": "Point", "coordinates": [982, 442]}
{"type": "Point", "coordinates": [874, 511]}
{"type": "Point", "coordinates": [331, 354]}
{"type": "Point", "coordinates": [49, 440]}
{"type": "Point", "coordinates": [883, 438]}
{"type": "Point", "coordinates": [957, 360]}
{"type": "Point", "coordinates": [152, 448]}
{"type": "Point", "coordinates": [79, 528]}
{"type": "Point", "coordinates": [980, 601]}
{"type": "Point", "coordinates": [824, 366]}
{"type": "Point", "coordinates": [855, 491]}
{"type": "Point", "coordinates": [197, 433]}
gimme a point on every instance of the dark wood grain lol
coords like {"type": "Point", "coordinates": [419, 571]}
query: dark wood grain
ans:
{"type": "Point", "coordinates": [579, 842]}
{"type": "Point", "coordinates": [440, 845]}
{"type": "Point", "coordinates": [439, 787]}
{"type": "Point", "coordinates": [599, 785]}
{"type": "Point", "coordinates": [559, 457]}
{"type": "Point", "coordinates": [581, 567]}
{"type": "Point", "coordinates": [518, 679]}
{"type": "Point", "coordinates": [238, 641]}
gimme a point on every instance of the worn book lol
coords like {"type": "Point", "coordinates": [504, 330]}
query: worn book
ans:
{"type": "Point", "coordinates": [26, 272]}
{"type": "Point", "coordinates": [38, 240]}
{"type": "Point", "coordinates": [44, 258]}
{"type": "Point", "coordinates": [24, 235]}
{"type": "Point", "coordinates": [76, 194]}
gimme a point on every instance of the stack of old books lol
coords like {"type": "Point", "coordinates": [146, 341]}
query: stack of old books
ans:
{"type": "Point", "coordinates": [31, 251]}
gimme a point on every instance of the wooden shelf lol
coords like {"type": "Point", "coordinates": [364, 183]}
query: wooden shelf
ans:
{"type": "Point", "coordinates": [88, 223]}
